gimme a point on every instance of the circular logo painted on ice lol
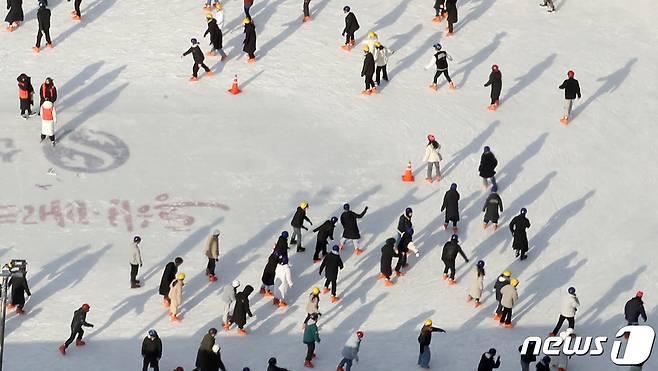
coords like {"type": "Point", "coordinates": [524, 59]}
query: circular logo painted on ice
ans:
{"type": "Point", "coordinates": [88, 151]}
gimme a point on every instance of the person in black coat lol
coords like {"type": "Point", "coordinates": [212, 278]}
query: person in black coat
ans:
{"type": "Point", "coordinates": [79, 320]}
{"type": "Point", "coordinates": [47, 92]}
{"type": "Point", "coordinates": [297, 224]}
{"type": "Point", "coordinates": [403, 249]}
{"type": "Point", "coordinates": [269, 272]}
{"type": "Point", "coordinates": [350, 228]}
{"type": "Point", "coordinates": [216, 37]}
{"type": "Point", "coordinates": [331, 264]}
{"type": "Point", "coordinates": [634, 309]}
{"type": "Point", "coordinates": [571, 89]}
{"type": "Point", "coordinates": [281, 247]}
{"type": "Point", "coordinates": [424, 341]}
{"type": "Point", "coordinates": [404, 222]}
{"type": "Point", "coordinates": [351, 26]}
{"type": "Point", "coordinates": [368, 71]}
{"type": "Point", "coordinates": [241, 310]}
{"type": "Point", "coordinates": [325, 233]}
{"type": "Point", "coordinates": [151, 351]}
{"type": "Point", "coordinates": [388, 253]}
{"type": "Point", "coordinates": [43, 16]}
{"type": "Point", "coordinates": [15, 15]}
{"type": "Point", "coordinates": [197, 54]}
{"type": "Point", "coordinates": [487, 362]}
{"type": "Point", "coordinates": [451, 8]}
{"type": "Point", "coordinates": [249, 43]}
{"type": "Point", "coordinates": [496, 83]}
{"type": "Point", "coordinates": [518, 227]}
{"type": "Point", "coordinates": [449, 256]}
{"type": "Point", "coordinates": [491, 208]}
{"type": "Point", "coordinates": [19, 288]}
{"type": "Point", "coordinates": [271, 365]}
{"type": "Point", "coordinates": [487, 168]}
{"type": "Point", "coordinates": [451, 207]}
{"type": "Point", "coordinates": [205, 358]}
{"type": "Point", "coordinates": [168, 276]}
{"type": "Point", "coordinates": [25, 93]}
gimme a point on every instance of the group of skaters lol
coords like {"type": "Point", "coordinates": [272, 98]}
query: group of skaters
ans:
{"type": "Point", "coordinates": [15, 18]}
{"type": "Point", "coordinates": [47, 98]}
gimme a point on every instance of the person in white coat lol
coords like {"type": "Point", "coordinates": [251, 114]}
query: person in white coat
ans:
{"type": "Point", "coordinates": [568, 308]}
{"type": "Point", "coordinates": [561, 361]}
{"type": "Point", "coordinates": [48, 120]}
{"type": "Point", "coordinates": [229, 302]}
{"type": "Point", "coordinates": [282, 275]}
{"type": "Point", "coordinates": [135, 259]}
{"type": "Point", "coordinates": [381, 55]}
{"type": "Point", "coordinates": [476, 284]}
{"type": "Point", "coordinates": [432, 157]}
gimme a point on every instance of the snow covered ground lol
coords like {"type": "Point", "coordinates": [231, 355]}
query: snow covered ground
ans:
{"type": "Point", "coordinates": [135, 135]}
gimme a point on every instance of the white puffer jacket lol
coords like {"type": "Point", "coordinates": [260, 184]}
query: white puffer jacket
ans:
{"type": "Point", "coordinates": [432, 154]}
{"type": "Point", "coordinates": [570, 305]}
{"type": "Point", "coordinates": [382, 55]}
{"type": "Point", "coordinates": [284, 276]}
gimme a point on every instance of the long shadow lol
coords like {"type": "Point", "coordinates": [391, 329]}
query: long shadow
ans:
{"type": "Point", "coordinates": [77, 81]}
{"type": "Point", "coordinates": [253, 77]}
{"type": "Point", "coordinates": [410, 59]}
{"type": "Point", "coordinates": [56, 267]}
{"type": "Point", "coordinates": [474, 14]}
{"type": "Point", "coordinates": [392, 16]}
{"type": "Point", "coordinates": [263, 15]}
{"type": "Point", "coordinates": [402, 39]}
{"type": "Point", "coordinates": [91, 89]}
{"type": "Point", "coordinates": [531, 76]}
{"type": "Point", "coordinates": [89, 15]}
{"type": "Point", "coordinates": [471, 63]}
{"type": "Point", "coordinates": [475, 146]}
{"type": "Point", "coordinates": [515, 167]}
{"type": "Point", "coordinates": [131, 304]}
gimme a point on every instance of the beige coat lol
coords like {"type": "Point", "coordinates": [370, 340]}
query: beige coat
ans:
{"type": "Point", "coordinates": [475, 284]}
{"type": "Point", "coordinates": [313, 305]}
{"type": "Point", "coordinates": [175, 295]}
{"type": "Point", "coordinates": [510, 296]}
{"type": "Point", "coordinates": [212, 247]}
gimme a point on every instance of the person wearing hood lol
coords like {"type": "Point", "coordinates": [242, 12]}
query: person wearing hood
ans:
{"type": "Point", "coordinates": [350, 352]}
{"type": "Point", "coordinates": [43, 18]}
{"type": "Point", "coordinates": [432, 157]}
{"type": "Point", "coordinates": [48, 120]}
{"type": "Point", "coordinates": [492, 208]}
{"type": "Point", "coordinates": [440, 60]}
{"type": "Point", "coordinates": [388, 253]}
{"type": "Point", "coordinates": [424, 340]}
{"type": "Point", "coordinates": [25, 92]}
{"type": "Point", "coordinates": [249, 42]}
{"type": "Point", "coordinates": [229, 302]}
{"type": "Point", "coordinates": [381, 55]}
{"type": "Point", "coordinates": [169, 275]}
{"type": "Point", "coordinates": [404, 222]}
{"type": "Point", "coordinates": [297, 224]}
{"type": "Point", "coordinates": [368, 71]}
{"type": "Point", "coordinates": [269, 273]}
{"type": "Point", "coordinates": [487, 168]}
{"type": "Point", "coordinates": [496, 83]}
{"type": "Point", "coordinates": [331, 264]}
{"type": "Point", "coordinates": [561, 361]}
{"type": "Point", "coordinates": [242, 309]}
{"type": "Point", "coordinates": [176, 296]}
{"type": "Point", "coordinates": [351, 233]}
{"type": "Point", "coordinates": [19, 288]}
{"type": "Point", "coordinates": [212, 253]}
{"type": "Point", "coordinates": [449, 256]}
{"type": "Point", "coordinates": [311, 336]}
{"type": "Point", "coordinates": [634, 309]}
{"type": "Point", "coordinates": [198, 57]}
{"type": "Point", "coordinates": [402, 250]}
{"type": "Point", "coordinates": [571, 89]}
{"type": "Point", "coordinates": [568, 308]}
{"type": "Point", "coordinates": [476, 284]}
{"type": "Point", "coordinates": [283, 275]}
{"type": "Point", "coordinates": [502, 281]}
{"type": "Point", "coordinates": [487, 362]}
{"type": "Point", "coordinates": [135, 254]}
{"type": "Point", "coordinates": [15, 15]}
{"type": "Point", "coordinates": [451, 207]}
{"type": "Point", "coordinates": [544, 364]}
{"type": "Point", "coordinates": [351, 26]}
{"type": "Point", "coordinates": [47, 92]}
{"type": "Point", "coordinates": [204, 355]}
{"type": "Point", "coordinates": [325, 232]}
{"type": "Point", "coordinates": [518, 227]}
{"type": "Point", "coordinates": [216, 37]}
{"type": "Point", "coordinates": [77, 323]}
{"type": "Point", "coordinates": [272, 366]}
{"type": "Point", "coordinates": [151, 351]}
{"type": "Point", "coordinates": [509, 298]}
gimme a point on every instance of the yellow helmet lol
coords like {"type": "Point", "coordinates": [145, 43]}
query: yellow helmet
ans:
{"type": "Point", "coordinates": [366, 48]}
{"type": "Point", "coordinates": [428, 322]}
{"type": "Point", "coordinates": [377, 44]}
{"type": "Point", "coordinates": [218, 6]}
{"type": "Point", "coordinates": [209, 16]}
{"type": "Point", "coordinates": [246, 21]}
{"type": "Point", "coordinates": [316, 291]}
{"type": "Point", "coordinates": [507, 274]}
{"type": "Point", "coordinates": [180, 276]}
{"type": "Point", "coordinates": [514, 282]}
{"type": "Point", "coordinates": [304, 204]}
{"type": "Point", "coordinates": [372, 35]}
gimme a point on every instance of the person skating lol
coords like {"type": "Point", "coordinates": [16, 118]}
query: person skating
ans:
{"type": "Point", "coordinates": [502, 281]}
{"type": "Point", "coordinates": [43, 17]}
{"type": "Point", "coordinates": [311, 336]}
{"type": "Point", "coordinates": [439, 8]}
{"type": "Point", "coordinates": [76, 14]}
{"type": "Point", "coordinates": [496, 83]}
{"type": "Point", "coordinates": [568, 308]}
{"type": "Point", "coordinates": [281, 246]}
{"type": "Point", "coordinates": [282, 275]}
{"type": "Point", "coordinates": [48, 119]}
{"type": "Point", "coordinates": [382, 54]}
{"type": "Point", "coordinates": [272, 365]}
{"type": "Point", "coordinates": [634, 309]}
{"type": "Point", "coordinates": [198, 57]}
{"type": "Point", "coordinates": [151, 351]}
{"type": "Point", "coordinates": [25, 93]}
{"type": "Point", "coordinates": [493, 206]}
{"type": "Point", "coordinates": [204, 355]}
{"type": "Point", "coordinates": [432, 158]}
{"type": "Point", "coordinates": [451, 207]}
{"type": "Point", "coordinates": [476, 284]}
{"type": "Point", "coordinates": [350, 352]}
{"type": "Point", "coordinates": [404, 222]}
{"type": "Point", "coordinates": [518, 227]}
{"type": "Point", "coordinates": [168, 276]}
{"type": "Point", "coordinates": [440, 61]}
{"type": "Point", "coordinates": [424, 340]}
{"type": "Point", "coordinates": [487, 168]}
{"type": "Point", "coordinates": [449, 256]}
{"type": "Point", "coordinates": [212, 253]}
{"type": "Point", "coordinates": [229, 302]}
{"type": "Point", "coordinates": [325, 232]}
{"type": "Point", "coordinates": [368, 71]}
{"type": "Point", "coordinates": [331, 264]}
{"type": "Point", "coordinates": [351, 26]}
{"type": "Point", "coordinates": [351, 233]}
{"type": "Point", "coordinates": [509, 297]}
{"type": "Point", "coordinates": [242, 309]}
{"type": "Point", "coordinates": [216, 37]}
{"type": "Point", "coordinates": [176, 296]}
{"type": "Point", "coordinates": [269, 273]}
{"type": "Point", "coordinates": [297, 224]}
{"type": "Point", "coordinates": [487, 362]}
{"type": "Point", "coordinates": [549, 5]}
{"type": "Point", "coordinates": [388, 253]}
{"type": "Point", "coordinates": [306, 10]}
{"type": "Point", "coordinates": [19, 288]}
{"type": "Point", "coordinates": [313, 305]}
{"type": "Point", "coordinates": [15, 15]}
{"type": "Point", "coordinates": [527, 358]}
{"type": "Point", "coordinates": [135, 254]}
{"type": "Point", "coordinates": [77, 323]}
{"type": "Point", "coordinates": [451, 8]}
{"type": "Point", "coordinates": [249, 42]}
{"type": "Point", "coordinates": [544, 364]}
{"type": "Point", "coordinates": [47, 91]}
{"type": "Point", "coordinates": [571, 89]}
{"type": "Point", "coordinates": [402, 250]}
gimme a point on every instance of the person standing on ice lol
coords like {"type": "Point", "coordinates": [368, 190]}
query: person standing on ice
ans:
{"type": "Point", "coordinates": [507, 302]}
{"type": "Point", "coordinates": [311, 336]}
{"type": "Point", "coordinates": [451, 207]}
{"type": "Point", "coordinates": [249, 42]}
{"type": "Point", "coordinates": [496, 83]}
{"type": "Point", "coordinates": [176, 296]}
{"type": "Point", "coordinates": [151, 351]}
{"type": "Point", "coordinates": [331, 264]}
{"type": "Point", "coordinates": [135, 254]}
{"type": "Point", "coordinates": [297, 224]}
{"type": "Point", "coordinates": [47, 92]}
{"type": "Point", "coordinates": [350, 352]}
{"type": "Point", "coordinates": [634, 309]}
{"type": "Point", "coordinates": [491, 209]}
{"type": "Point", "coordinates": [204, 355]}
{"type": "Point", "coordinates": [307, 11]}
{"type": "Point", "coordinates": [284, 277]}
{"type": "Point", "coordinates": [451, 8]}
{"type": "Point", "coordinates": [382, 54]}
{"type": "Point", "coordinates": [25, 92]}
{"type": "Point", "coordinates": [325, 233]}
{"type": "Point", "coordinates": [549, 4]}
{"type": "Point", "coordinates": [440, 62]}
{"type": "Point", "coordinates": [432, 157]}
{"type": "Point", "coordinates": [568, 308]}
{"type": "Point", "coordinates": [518, 227]}
{"type": "Point", "coordinates": [351, 26]}
{"type": "Point", "coordinates": [48, 119]}
{"type": "Point", "coordinates": [476, 284]}
{"type": "Point", "coordinates": [76, 14]}
{"type": "Point", "coordinates": [402, 250]}
{"type": "Point", "coordinates": [351, 231]}
{"type": "Point", "coordinates": [487, 168]}
{"type": "Point", "coordinates": [404, 222]}
{"type": "Point", "coordinates": [168, 276]}
{"type": "Point", "coordinates": [15, 15]}
{"type": "Point", "coordinates": [242, 309]}
{"type": "Point", "coordinates": [313, 305]}
{"type": "Point", "coordinates": [79, 321]}
{"type": "Point", "coordinates": [449, 256]}
{"type": "Point", "coordinates": [19, 288]}
{"type": "Point", "coordinates": [424, 340]}
{"type": "Point", "coordinates": [212, 253]}
{"type": "Point", "coordinates": [571, 89]}
{"type": "Point", "coordinates": [281, 247]}
{"type": "Point", "coordinates": [502, 281]}
{"type": "Point", "coordinates": [388, 253]}
{"type": "Point", "coordinates": [368, 71]}
{"type": "Point", "coordinates": [43, 17]}
{"type": "Point", "coordinates": [269, 273]}
{"type": "Point", "coordinates": [198, 57]}
{"type": "Point", "coordinates": [216, 37]}
{"type": "Point", "coordinates": [229, 302]}
{"type": "Point", "coordinates": [487, 362]}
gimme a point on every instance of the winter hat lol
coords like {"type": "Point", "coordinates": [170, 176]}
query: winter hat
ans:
{"type": "Point", "coordinates": [454, 237]}
{"type": "Point", "coordinates": [492, 351]}
{"type": "Point", "coordinates": [546, 359]}
{"type": "Point", "coordinates": [178, 261]}
{"type": "Point", "coordinates": [437, 46]}
{"type": "Point", "coordinates": [366, 48]}
{"type": "Point", "coordinates": [570, 74]}
{"type": "Point", "coordinates": [390, 241]}
{"type": "Point", "coordinates": [507, 274]}
{"type": "Point", "coordinates": [487, 149]}
{"type": "Point", "coordinates": [284, 234]}
{"type": "Point", "coordinates": [494, 188]}
{"type": "Point", "coordinates": [194, 41]}
{"type": "Point", "coordinates": [408, 212]}
{"type": "Point", "coordinates": [42, 4]}
{"type": "Point", "coordinates": [271, 361]}
{"type": "Point", "coordinates": [215, 348]}
{"type": "Point", "coordinates": [246, 369]}
{"type": "Point", "coordinates": [236, 284]}
{"type": "Point", "coordinates": [572, 290]}
{"type": "Point", "coordinates": [85, 307]}
{"type": "Point", "coordinates": [480, 263]}
{"type": "Point", "coordinates": [346, 8]}
{"type": "Point", "coordinates": [153, 333]}
{"type": "Point", "coordinates": [524, 211]}
{"type": "Point", "coordinates": [335, 249]}
{"type": "Point", "coordinates": [346, 207]}
{"type": "Point", "coordinates": [334, 219]}
{"type": "Point", "coordinates": [215, 232]}
{"type": "Point", "coordinates": [431, 137]}
{"type": "Point", "coordinates": [359, 334]}
{"type": "Point", "coordinates": [136, 239]}
{"type": "Point", "coordinates": [494, 67]}
{"type": "Point", "coordinates": [639, 294]}
{"type": "Point", "coordinates": [453, 187]}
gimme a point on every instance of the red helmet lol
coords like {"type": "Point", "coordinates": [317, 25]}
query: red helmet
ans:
{"type": "Point", "coordinates": [85, 307]}
{"type": "Point", "coordinates": [431, 137]}
{"type": "Point", "coordinates": [494, 67]}
{"type": "Point", "coordinates": [359, 334]}
{"type": "Point", "coordinates": [570, 74]}
{"type": "Point", "coordinates": [639, 294]}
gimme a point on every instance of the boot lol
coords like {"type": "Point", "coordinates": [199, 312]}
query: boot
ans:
{"type": "Point", "coordinates": [300, 249]}
{"type": "Point", "coordinates": [134, 285]}
{"type": "Point", "coordinates": [358, 252]}
{"type": "Point", "coordinates": [388, 283]}
{"type": "Point", "coordinates": [242, 332]}
{"type": "Point", "coordinates": [62, 350]}
{"type": "Point", "coordinates": [434, 87]}
{"type": "Point", "coordinates": [444, 277]}
{"type": "Point", "coordinates": [212, 278]}
{"type": "Point", "coordinates": [495, 228]}
{"type": "Point", "coordinates": [275, 301]}
{"type": "Point", "coordinates": [227, 327]}
{"type": "Point", "coordinates": [334, 299]}
{"type": "Point", "coordinates": [496, 317]}
{"type": "Point", "coordinates": [308, 364]}
{"type": "Point", "coordinates": [165, 303]}
{"type": "Point", "coordinates": [35, 50]}
{"type": "Point", "coordinates": [262, 291]}
{"type": "Point", "coordinates": [20, 311]}
{"type": "Point", "coordinates": [451, 282]}
{"type": "Point", "coordinates": [268, 294]}
{"type": "Point", "coordinates": [282, 304]}
{"type": "Point", "coordinates": [80, 343]}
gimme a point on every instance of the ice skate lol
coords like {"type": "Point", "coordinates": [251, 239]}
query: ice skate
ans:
{"type": "Point", "coordinates": [242, 332]}
{"type": "Point", "coordinates": [399, 274]}
{"type": "Point", "coordinates": [358, 252]}
{"type": "Point", "coordinates": [35, 50]}
{"type": "Point", "coordinates": [388, 283]}
{"type": "Point", "coordinates": [434, 87]}
{"type": "Point", "coordinates": [308, 364]}
{"type": "Point", "coordinates": [80, 343]}
{"type": "Point", "coordinates": [62, 350]}
{"type": "Point", "coordinates": [564, 121]}
{"type": "Point", "coordinates": [428, 180]}
{"type": "Point", "coordinates": [451, 282]}
{"type": "Point", "coordinates": [282, 304]}
{"type": "Point", "coordinates": [275, 301]}
{"type": "Point", "coordinates": [334, 299]}
{"type": "Point", "coordinates": [325, 290]}
{"type": "Point", "coordinates": [444, 277]}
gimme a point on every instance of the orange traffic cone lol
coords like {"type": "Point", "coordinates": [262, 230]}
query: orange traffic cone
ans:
{"type": "Point", "coordinates": [235, 90]}
{"type": "Point", "coordinates": [408, 174]}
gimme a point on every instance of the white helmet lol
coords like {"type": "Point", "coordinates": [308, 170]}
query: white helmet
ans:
{"type": "Point", "coordinates": [236, 284]}
{"type": "Point", "coordinates": [215, 232]}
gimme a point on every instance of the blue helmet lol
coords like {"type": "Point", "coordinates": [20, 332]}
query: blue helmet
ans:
{"type": "Point", "coordinates": [335, 249]}
{"type": "Point", "coordinates": [437, 46]}
{"type": "Point", "coordinates": [453, 187]}
{"type": "Point", "coordinates": [346, 207]}
{"type": "Point", "coordinates": [284, 234]}
{"type": "Point", "coordinates": [572, 290]}
{"type": "Point", "coordinates": [334, 219]}
{"type": "Point", "coordinates": [524, 211]}
{"type": "Point", "coordinates": [494, 188]}
{"type": "Point", "coordinates": [153, 333]}
{"type": "Point", "coordinates": [480, 263]}
{"type": "Point", "coordinates": [487, 149]}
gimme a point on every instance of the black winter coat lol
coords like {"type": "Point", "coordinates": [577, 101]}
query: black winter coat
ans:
{"type": "Point", "coordinates": [368, 65]}
{"type": "Point", "coordinates": [249, 38]}
{"type": "Point", "coordinates": [168, 276]}
{"type": "Point", "coordinates": [441, 60]}
{"type": "Point", "coordinates": [215, 34]}
{"type": "Point", "coordinates": [438, 4]}
{"type": "Point", "coordinates": [425, 337]}
{"type": "Point", "coordinates": [451, 8]}
{"type": "Point", "coordinates": [270, 270]}
{"type": "Point", "coordinates": [404, 223]}
{"type": "Point", "coordinates": [498, 285]}
{"type": "Point", "coordinates": [450, 251]}
{"type": "Point", "coordinates": [15, 13]}
{"type": "Point", "coordinates": [43, 16]}
{"type": "Point", "coordinates": [634, 309]}
{"type": "Point", "coordinates": [487, 363]}
{"type": "Point", "coordinates": [571, 88]}
{"type": "Point", "coordinates": [529, 356]}
{"type": "Point", "coordinates": [496, 82]}
{"type": "Point", "coordinates": [152, 349]}
{"type": "Point", "coordinates": [281, 246]}
{"type": "Point", "coordinates": [241, 310]}
{"type": "Point", "coordinates": [25, 83]}
{"type": "Point", "coordinates": [325, 231]}
{"type": "Point", "coordinates": [517, 226]}
{"type": "Point", "coordinates": [48, 92]}
{"type": "Point", "coordinates": [403, 243]}
{"type": "Point", "coordinates": [205, 356]}
{"type": "Point", "coordinates": [388, 253]}
{"type": "Point", "coordinates": [492, 205]}
{"type": "Point", "coordinates": [79, 320]}
{"type": "Point", "coordinates": [331, 264]}
{"type": "Point", "coordinates": [197, 54]}
{"type": "Point", "coordinates": [542, 367]}
{"type": "Point", "coordinates": [351, 24]}
{"type": "Point", "coordinates": [451, 205]}
{"type": "Point", "coordinates": [488, 163]}
{"type": "Point", "coordinates": [19, 288]}
{"type": "Point", "coordinates": [299, 218]}
{"type": "Point", "coordinates": [350, 228]}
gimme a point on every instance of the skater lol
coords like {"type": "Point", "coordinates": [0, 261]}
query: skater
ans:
{"type": "Point", "coordinates": [388, 253]}
{"type": "Point", "coordinates": [176, 296]}
{"type": "Point", "coordinates": [284, 277]}
{"type": "Point", "coordinates": [549, 4]}
{"type": "Point", "coordinates": [47, 92]}
{"type": "Point", "coordinates": [368, 71]}
{"type": "Point", "coordinates": [249, 38]}
{"type": "Point", "coordinates": [229, 302]}
{"type": "Point", "coordinates": [496, 83]}
{"type": "Point", "coordinates": [502, 281]}
{"type": "Point", "coordinates": [242, 310]}
{"type": "Point", "coordinates": [517, 226]}
{"type": "Point", "coordinates": [544, 364]}
{"type": "Point", "coordinates": [168, 276]}
{"type": "Point", "coordinates": [151, 351]}
{"type": "Point", "coordinates": [25, 92]}
{"type": "Point", "coordinates": [570, 305]}
{"type": "Point", "coordinates": [439, 8]}
{"type": "Point", "coordinates": [404, 222]}
{"type": "Point", "coordinates": [351, 26]}
{"type": "Point", "coordinates": [424, 339]}
{"type": "Point", "coordinates": [571, 91]}
{"type": "Point", "coordinates": [247, 6]}
{"type": "Point", "coordinates": [313, 306]}
{"type": "Point", "coordinates": [476, 284]}
{"type": "Point", "coordinates": [43, 17]}
{"type": "Point", "coordinates": [487, 362]}
{"type": "Point", "coordinates": [561, 361]}
{"type": "Point", "coordinates": [492, 206]}
{"type": "Point", "coordinates": [269, 273]}
{"type": "Point", "coordinates": [297, 224]}
{"type": "Point", "coordinates": [311, 336]}
{"type": "Point", "coordinates": [135, 254]}
{"type": "Point", "coordinates": [19, 288]}
{"type": "Point", "coordinates": [79, 321]}
{"type": "Point", "coordinates": [204, 355]}
{"type": "Point", "coordinates": [76, 14]}
{"type": "Point", "coordinates": [449, 255]}
{"type": "Point", "coordinates": [634, 309]}
{"type": "Point", "coordinates": [271, 366]}
{"type": "Point", "coordinates": [281, 247]}
{"type": "Point", "coordinates": [432, 157]}
{"type": "Point", "coordinates": [527, 358]}
{"type": "Point", "coordinates": [14, 16]}
{"type": "Point", "coordinates": [351, 231]}
{"type": "Point", "coordinates": [216, 37]}
{"type": "Point", "coordinates": [451, 207]}
{"type": "Point", "coordinates": [487, 168]}
{"type": "Point", "coordinates": [325, 232]}
{"type": "Point", "coordinates": [307, 12]}
{"type": "Point", "coordinates": [198, 57]}
{"type": "Point", "coordinates": [350, 352]}
{"type": "Point", "coordinates": [331, 264]}
{"type": "Point", "coordinates": [382, 54]}
{"type": "Point", "coordinates": [440, 62]}
{"type": "Point", "coordinates": [507, 301]}
{"type": "Point", "coordinates": [451, 8]}
{"type": "Point", "coordinates": [402, 251]}
{"type": "Point", "coordinates": [212, 253]}
{"type": "Point", "coordinates": [48, 119]}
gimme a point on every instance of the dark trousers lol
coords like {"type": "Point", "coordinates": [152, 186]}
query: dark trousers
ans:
{"type": "Point", "coordinates": [349, 37]}
{"type": "Point", "coordinates": [310, 349]}
{"type": "Point", "coordinates": [40, 34]}
{"type": "Point", "coordinates": [381, 70]}
{"type": "Point", "coordinates": [246, 11]}
{"type": "Point", "coordinates": [251, 55]}
{"type": "Point", "coordinates": [52, 137]}
{"type": "Point", "coordinates": [210, 268]}
{"type": "Point", "coordinates": [450, 26]}
{"type": "Point", "coordinates": [499, 308]}
{"type": "Point", "coordinates": [331, 282]}
{"type": "Point", "coordinates": [76, 4]}
{"type": "Point", "coordinates": [150, 362]}
{"type": "Point", "coordinates": [74, 332]}
{"type": "Point", "coordinates": [307, 12]}
{"type": "Point", "coordinates": [449, 267]}
{"type": "Point", "coordinates": [320, 248]}
{"type": "Point", "coordinates": [494, 100]}
{"type": "Point", "coordinates": [439, 73]}
{"type": "Point", "coordinates": [26, 107]}
{"type": "Point", "coordinates": [570, 320]}
{"type": "Point", "coordinates": [506, 316]}
{"type": "Point", "coordinates": [402, 261]}
{"type": "Point", "coordinates": [134, 268]}
{"type": "Point", "coordinates": [369, 82]}
{"type": "Point", "coordinates": [220, 363]}
{"type": "Point", "coordinates": [195, 69]}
